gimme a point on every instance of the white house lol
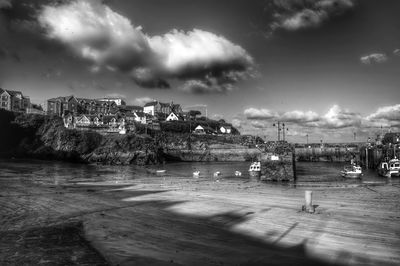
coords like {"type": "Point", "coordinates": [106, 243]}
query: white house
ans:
{"type": "Point", "coordinates": [82, 120]}
{"type": "Point", "coordinates": [199, 130]}
{"type": "Point", "coordinates": [225, 129]}
{"type": "Point", "coordinates": [140, 117]}
{"type": "Point", "coordinates": [151, 108]}
{"type": "Point", "coordinates": [172, 117]}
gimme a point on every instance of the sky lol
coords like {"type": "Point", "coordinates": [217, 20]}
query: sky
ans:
{"type": "Point", "coordinates": [329, 69]}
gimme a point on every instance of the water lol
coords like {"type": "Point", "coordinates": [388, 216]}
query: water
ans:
{"type": "Point", "coordinates": [50, 172]}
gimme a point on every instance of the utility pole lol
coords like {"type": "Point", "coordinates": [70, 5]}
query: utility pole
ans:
{"type": "Point", "coordinates": [278, 124]}
{"type": "Point", "coordinates": [307, 138]}
{"type": "Point", "coordinates": [283, 133]}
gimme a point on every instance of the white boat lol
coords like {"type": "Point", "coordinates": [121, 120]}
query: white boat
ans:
{"type": "Point", "coordinates": [238, 173]}
{"type": "Point", "coordinates": [216, 174]}
{"type": "Point", "coordinates": [161, 172]}
{"type": "Point", "coordinates": [352, 171]}
{"type": "Point", "coordinates": [196, 174]}
{"type": "Point", "coordinates": [255, 169]}
{"type": "Point", "coordinates": [389, 169]}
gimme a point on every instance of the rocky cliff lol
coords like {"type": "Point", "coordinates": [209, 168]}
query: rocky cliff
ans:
{"type": "Point", "coordinates": [45, 137]}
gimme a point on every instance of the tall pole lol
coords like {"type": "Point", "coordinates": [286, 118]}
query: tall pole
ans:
{"type": "Point", "coordinates": [283, 133]}
{"type": "Point", "coordinates": [307, 138]}
{"type": "Point", "coordinates": [279, 131]}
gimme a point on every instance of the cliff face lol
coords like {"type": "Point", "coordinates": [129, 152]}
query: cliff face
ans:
{"type": "Point", "coordinates": [46, 138]}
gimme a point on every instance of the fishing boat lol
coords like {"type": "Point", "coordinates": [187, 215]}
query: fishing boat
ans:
{"type": "Point", "coordinates": [389, 169]}
{"type": "Point", "coordinates": [238, 173]}
{"type": "Point", "coordinates": [255, 169]}
{"type": "Point", "coordinates": [352, 171]}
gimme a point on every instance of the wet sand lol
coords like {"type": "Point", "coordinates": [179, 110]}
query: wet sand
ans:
{"type": "Point", "coordinates": [159, 221]}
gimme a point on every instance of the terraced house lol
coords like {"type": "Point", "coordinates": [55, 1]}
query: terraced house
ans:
{"type": "Point", "coordinates": [157, 108]}
{"type": "Point", "coordinates": [71, 104]}
{"type": "Point", "coordinates": [14, 101]}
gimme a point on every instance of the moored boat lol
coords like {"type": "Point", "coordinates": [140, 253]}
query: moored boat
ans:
{"type": "Point", "coordinates": [352, 171]}
{"type": "Point", "coordinates": [196, 174]}
{"type": "Point", "coordinates": [255, 169]}
{"type": "Point", "coordinates": [390, 168]}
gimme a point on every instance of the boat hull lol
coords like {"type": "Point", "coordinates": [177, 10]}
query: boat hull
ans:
{"type": "Point", "coordinates": [350, 175]}
{"type": "Point", "coordinates": [255, 173]}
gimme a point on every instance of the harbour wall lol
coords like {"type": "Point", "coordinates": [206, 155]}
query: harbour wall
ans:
{"type": "Point", "coordinates": [371, 157]}
{"type": "Point", "coordinates": [282, 169]}
{"type": "Point", "coordinates": [327, 154]}
{"type": "Point", "coordinates": [213, 155]}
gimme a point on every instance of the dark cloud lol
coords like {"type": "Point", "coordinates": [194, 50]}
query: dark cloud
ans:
{"type": "Point", "coordinates": [205, 61]}
{"type": "Point", "coordinates": [5, 4]}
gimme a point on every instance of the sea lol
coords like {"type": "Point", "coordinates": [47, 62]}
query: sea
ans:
{"type": "Point", "coordinates": [308, 174]}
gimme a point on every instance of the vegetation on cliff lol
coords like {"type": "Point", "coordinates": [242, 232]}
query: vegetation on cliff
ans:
{"type": "Point", "coordinates": [45, 137]}
{"type": "Point", "coordinates": [29, 135]}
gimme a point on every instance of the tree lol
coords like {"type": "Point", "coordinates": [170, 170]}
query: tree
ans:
{"type": "Point", "coordinates": [37, 107]}
{"type": "Point", "coordinates": [194, 113]}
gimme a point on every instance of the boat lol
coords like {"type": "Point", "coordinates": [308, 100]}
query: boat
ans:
{"type": "Point", "coordinates": [255, 169]}
{"type": "Point", "coordinates": [161, 172]}
{"type": "Point", "coordinates": [352, 171]}
{"type": "Point", "coordinates": [389, 169]}
{"type": "Point", "coordinates": [196, 174]}
{"type": "Point", "coordinates": [216, 174]}
{"type": "Point", "coordinates": [238, 173]}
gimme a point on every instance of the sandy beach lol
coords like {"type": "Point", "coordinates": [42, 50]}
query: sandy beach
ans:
{"type": "Point", "coordinates": [159, 221]}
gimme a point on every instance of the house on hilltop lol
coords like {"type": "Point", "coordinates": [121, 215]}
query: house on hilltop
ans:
{"type": "Point", "coordinates": [161, 109]}
{"type": "Point", "coordinates": [174, 117]}
{"type": "Point", "coordinates": [60, 105]}
{"type": "Point", "coordinates": [14, 101]}
{"type": "Point", "coordinates": [225, 129]}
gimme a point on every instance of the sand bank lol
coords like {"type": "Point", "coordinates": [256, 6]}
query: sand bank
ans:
{"type": "Point", "coordinates": [159, 221]}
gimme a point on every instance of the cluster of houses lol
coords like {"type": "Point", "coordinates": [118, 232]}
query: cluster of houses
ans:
{"type": "Point", "coordinates": [105, 114]}
{"type": "Point", "coordinates": [112, 115]}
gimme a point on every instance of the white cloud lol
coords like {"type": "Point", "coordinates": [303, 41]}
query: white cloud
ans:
{"type": "Point", "coordinates": [373, 58]}
{"type": "Point", "coordinates": [294, 15]}
{"type": "Point", "coordinates": [388, 113]}
{"type": "Point", "coordinates": [299, 116]}
{"type": "Point", "coordinates": [258, 124]}
{"type": "Point", "coordinates": [306, 18]}
{"type": "Point", "coordinates": [259, 114]}
{"type": "Point", "coordinates": [236, 123]}
{"type": "Point", "coordinates": [337, 117]}
{"type": "Point", "coordinates": [396, 52]}
{"type": "Point", "coordinates": [209, 62]}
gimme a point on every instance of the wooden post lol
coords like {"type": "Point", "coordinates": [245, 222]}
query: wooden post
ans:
{"type": "Point", "coordinates": [309, 206]}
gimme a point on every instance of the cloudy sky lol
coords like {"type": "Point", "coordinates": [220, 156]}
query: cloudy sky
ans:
{"type": "Point", "coordinates": [327, 68]}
